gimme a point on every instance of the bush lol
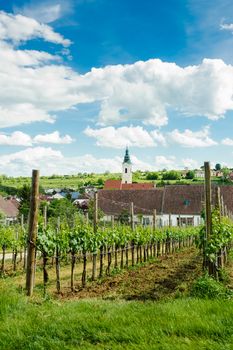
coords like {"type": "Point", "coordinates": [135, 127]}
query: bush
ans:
{"type": "Point", "coordinates": [190, 175]}
{"type": "Point", "coordinates": [171, 175]}
{"type": "Point", "coordinates": [207, 287]}
{"type": "Point", "coordinates": [152, 176]}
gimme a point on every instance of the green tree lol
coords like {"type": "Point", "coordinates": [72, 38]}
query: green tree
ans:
{"type": "Point", "coordinates": [24, 194]}
{"type": "Point", "coordinates": [171, 175]}
{"type": "Point", "coordinates": [190, 174]}
{"type": "Point", "coordinates": [91, 211]}
{"type": "Point", "coordinates": [152, 176]}
{"type": "Point", "coordinates": [218, 167]}
{"type": "Point", "coordinates": [124, 217]}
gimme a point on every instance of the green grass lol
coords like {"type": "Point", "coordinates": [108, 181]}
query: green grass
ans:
{"type": "Point", "coordinates": [97, 324]}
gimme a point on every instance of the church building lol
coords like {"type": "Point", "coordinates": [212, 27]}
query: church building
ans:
{"type": "Point", "coordinates": [126, 182]}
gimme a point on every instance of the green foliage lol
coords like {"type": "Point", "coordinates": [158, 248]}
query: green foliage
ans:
{"type": "Point", "coordinates": [124, 217]}
{"type": "Point", "coordinates": [91, 211]}
{"type": "Point", "coordinates": [190, 174]}
{"type": "Point", "coordinates": [218, 167]}
{"type": "Point", "coordinates": [102, 324]}
{"type": "Point", "coordinates": [208, 288]}
{"type": "Point", "coordinates": [171, 175]}
{"type": "Point", "coordinates": [152, 176]}
{"type": "Point", "coordinates": [222, 233]}
{"type": "Point", "coordinates": [62, 208]}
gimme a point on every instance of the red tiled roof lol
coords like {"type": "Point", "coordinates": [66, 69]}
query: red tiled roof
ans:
{"type": "Point", "coordinates": [172, 199]}
{"type": "Point", "coordinates": [8, 208]}
{"type": "Point", "coordinates": [118, 185]}
{"type": "Point", "coordinates": [112, 185]}
{"type": "Point", "coordinates": [145, 201]}
{"type": "Point", "coordinates": [138, 186]}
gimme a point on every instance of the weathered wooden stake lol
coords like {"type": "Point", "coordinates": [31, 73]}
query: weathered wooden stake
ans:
{"type": "Point", "coordinates": [132, 215]}
{"type": "Point", "coordinates": [208, 199]}
{"type": "Point", "coordinates": [45, 216]}
{"type": "Point", "coordinates": [170, 220]}
{"type": "Point", "coordinates": [57, 258]}
{"type": "Point", "coordinates": [32, 233]}
{"type": "Point", "coordinates": [154, 219]}
{"type": "Point", "coordinates": [87, 217]}
{"type": "Point", "coordinates": [95, 217]}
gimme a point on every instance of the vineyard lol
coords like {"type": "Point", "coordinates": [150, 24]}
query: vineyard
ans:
{"type": "Point", "coordinates": [79, 257]}
{"type": "Point", "coordinates": [97, 253]}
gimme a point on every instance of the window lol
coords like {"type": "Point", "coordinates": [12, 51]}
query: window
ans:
{"type": "Point", "coordinates": [146, 221]}
{"type": "Point", "coordinates": [126, 170]}
{"type": "Point", "coordinates": [185, 221]}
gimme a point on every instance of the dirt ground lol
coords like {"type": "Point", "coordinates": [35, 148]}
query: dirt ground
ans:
{"type": "Point", "coordinates": [167, 277]}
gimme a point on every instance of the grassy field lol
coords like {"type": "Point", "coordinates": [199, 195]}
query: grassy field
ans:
{"type": "Point", "coordinates": [9, 184]}
{"type": "Point", "coordinates": [97, 324]}
{"type": "Point", "coordinates": [148, 307]}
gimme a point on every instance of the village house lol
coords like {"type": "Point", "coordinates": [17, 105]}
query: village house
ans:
{"type": "Point", "coordinates": [177, 205]}
{"type": "Point", "coordinates": [184, 204]}
{"type": "Point", "coordinates": [9, 210]}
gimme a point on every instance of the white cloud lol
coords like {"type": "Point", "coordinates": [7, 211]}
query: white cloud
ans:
{"type": "Point", "coordinates": [45, 11]}
{"type": "Point", "coordinates": [227, 142]}
{"type": "Point", "coordinates": [19, 138]}
{"type": "Point", "coordinates": [225, 26]}
{"type": "Point", "coordinates": [17, 28]}
{"type": "Point", "coordinates": [53, 138]}
{"type": "Point", "coordinates": [50, 161]}
{"type": "Point", "coordinates": [158, 137]}
{"type": "Point", "coordinates": [21, 163]}
{"type": "Point", "coordinates": [190, 138]}
{"type": "Point", "coordinates": [190, 163]}
{"type": "Point", "coordinates": [121, 137]}
{"type": "Point", "coordinates": [163, 162]}
{"type": "Point", "coordinates": [145, 90]}
{"type": "Point", "coordinates": [34, 85]}
{"type": "Point", "coordinates": [133, 136]}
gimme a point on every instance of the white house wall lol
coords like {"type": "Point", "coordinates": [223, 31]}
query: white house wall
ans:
{"type": "Point", "coordinates": [161, 220]}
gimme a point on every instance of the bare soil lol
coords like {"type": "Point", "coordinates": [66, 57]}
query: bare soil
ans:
{"type": "Point", "coordinates": [167, 277]}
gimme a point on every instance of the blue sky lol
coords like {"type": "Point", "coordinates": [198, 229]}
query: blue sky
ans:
{"type": "Point", "coordinates": [82, 79]}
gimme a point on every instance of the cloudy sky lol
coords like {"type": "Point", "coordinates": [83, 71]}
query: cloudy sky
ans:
{"type": "Point", "coordinates": [82, 79]}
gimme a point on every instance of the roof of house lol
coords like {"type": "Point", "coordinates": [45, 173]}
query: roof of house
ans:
{"type": "Point", "coordinates": [114, 202]}
{"type": "Point", "coordinates": [183, 199]}
{"type": "Point", "coordinates": [112, 185]}
{"type": "Point", "coordinates": [172, 199]}
{"type": "Point", "coordinates": [8, 208]}
{"type": "Point", "coordinates": [118, 185]}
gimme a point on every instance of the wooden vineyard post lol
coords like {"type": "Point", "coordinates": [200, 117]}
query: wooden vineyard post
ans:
{"type": "Point", "coordinates": [45, 216]}
{"type": "Point", "coordinates": [220, 258]}
{"type": "Point", "coordinates": [32, 233]}
{"type": "Point", "coordinates": [25, 245]}
{"type": "Point", "coordinates": [207, 262]}
{"type": "Point", "coordinates": [132, 227]}
{"type": "Point", "coordinates": [154, 219]}
{"type": "Point", "coordinates": [154, 227]}
{"type": "Point", "coordinates": [95, 214]}
{"type": "Point", "coordinates": [57, 258]}
{"type": "Point", "coordinates": [218, 200]}
{"type": "Point", "coordinates": [95, 227]}
{"type": "Point", "coordinates": [87, 217]}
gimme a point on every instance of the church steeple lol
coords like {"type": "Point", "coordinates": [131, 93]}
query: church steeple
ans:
{"type": "Point", "coordinates": [127, 168]}
{"type": "Point", "coordinates": [127, 157]}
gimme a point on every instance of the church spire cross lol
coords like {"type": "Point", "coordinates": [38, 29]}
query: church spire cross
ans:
{"type": "Point", "coordinates": [127, 157]}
